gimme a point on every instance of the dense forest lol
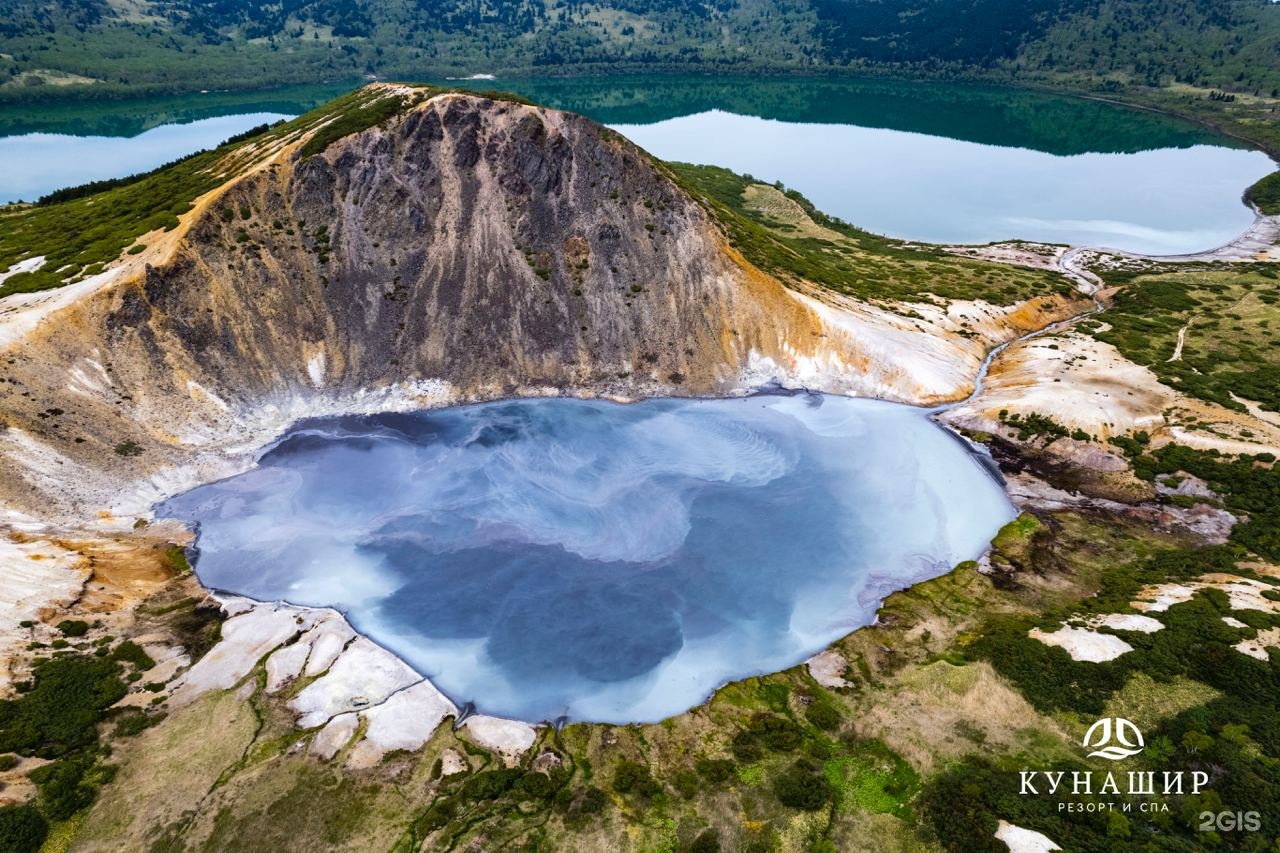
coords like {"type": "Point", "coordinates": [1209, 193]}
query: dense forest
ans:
{"type": "Point", "coordinates": [1217, 61]}
{"type": "Point", "coordinates": [1228, 45]}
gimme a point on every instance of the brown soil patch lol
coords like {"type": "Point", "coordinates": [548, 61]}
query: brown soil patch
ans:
{"type": "Point", "coordinates": [124, 571]}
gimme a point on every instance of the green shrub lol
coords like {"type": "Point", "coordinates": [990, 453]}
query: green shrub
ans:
{"type": "Point", "coordinates": [1246, 490]}
{"type": "Point", "coordinates": [356, 118]}
{"type": "Point", "coordinates": [73, 627]}
{"type": "Point", "coordinates": [686, 783]}
{"type": "Point", "coordinates": [803, 787]}
{"type": "Point", "coordinates": [130, 652]}
{"type": "Point", "coordinates": [958, 804]}
{"type": "Point", "coordinates": [540, 786]}
{"type": "Point", "coordinates": [823, 714]}
{"type": "Point", "coordinates": [135, 722]}
{"type": "Point", "coordinates": [64, 788]}
{"type": "Point", "coordinates": [766, 732]}
{"type": "Point", "coordinates": [775, 695]}
{"type": "Point", "coordinates": [714, 770]}
{"type": "Point", "coordinates": [746, 747]}
{"type": "Point", "coordinates": [1265, 194]}
{"type": "Point", "coordinates": [590, 800]}
{"type": "Point", "coordinates": [63, 707]}
{"type": "Point", "coordinates": [1034, 425]}
{"type": "Point", "coordinates": [22, 829]}
{"type": "Point", "coordinates": [632, 777]}
{"type": "Point", "coordinates": [491, 784]}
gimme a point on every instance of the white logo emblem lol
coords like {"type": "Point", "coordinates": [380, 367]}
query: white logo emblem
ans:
{"type": "Point", "coordinates": [1128, 740]}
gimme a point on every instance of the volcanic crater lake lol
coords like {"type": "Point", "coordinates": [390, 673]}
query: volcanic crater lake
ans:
{"type": "Point", "coordinates": [598, 561]}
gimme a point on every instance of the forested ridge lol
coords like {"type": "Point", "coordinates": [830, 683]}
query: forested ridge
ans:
{"type": "Point", "coordinates": [1232, 45]}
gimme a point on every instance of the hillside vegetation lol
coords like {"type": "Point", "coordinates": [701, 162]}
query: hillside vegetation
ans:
{"type": "Point", "coordinates": [1213, 60]}
{"type": "Point", "coordinates": [1228, 322]}
{"type": "Point", "coordinates": [166, 44]}
{"type": "Point", "coordinates": [781, 232]}
{"type": "Point", "coordinates": [81, 230]}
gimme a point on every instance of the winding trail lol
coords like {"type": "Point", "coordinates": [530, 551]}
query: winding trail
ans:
{"type": "Point", "coordinates": [1069, 263]}
{"type": "Point", "coordinates": [1257, 242]}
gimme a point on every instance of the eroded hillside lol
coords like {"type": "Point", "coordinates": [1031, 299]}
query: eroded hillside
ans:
{"type": "Point", "coordinates": [419, 249]}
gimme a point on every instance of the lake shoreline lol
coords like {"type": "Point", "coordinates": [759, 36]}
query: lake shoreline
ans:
{"type": "Point", "coordinates": [871, 114]}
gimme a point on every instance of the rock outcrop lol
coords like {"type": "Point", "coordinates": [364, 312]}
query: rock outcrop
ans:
{"type": "Point", "coordinates": [464, 249]}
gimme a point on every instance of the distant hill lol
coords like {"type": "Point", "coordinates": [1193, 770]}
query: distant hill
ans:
{"type": "Point", "coordinates": [1218, 60]}
{"type": "Point", "coordinates": [1233, 45]}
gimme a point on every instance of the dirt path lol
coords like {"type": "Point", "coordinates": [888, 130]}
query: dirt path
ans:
{"type": "Point", "coordinates": [1182, 339]}
{"type": "Point", "coordinates": [1068, 264]}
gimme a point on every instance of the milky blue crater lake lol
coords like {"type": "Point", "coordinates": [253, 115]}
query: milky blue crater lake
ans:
{"type": "Point", "coordinates": [599, 561]}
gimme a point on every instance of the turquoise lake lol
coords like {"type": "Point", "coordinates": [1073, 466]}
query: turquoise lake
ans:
{"type": "Point", "coordinates": [922, 161]}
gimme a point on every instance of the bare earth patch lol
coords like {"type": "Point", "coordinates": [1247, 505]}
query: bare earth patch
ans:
{"type": "Point", "coordinates": [1243, 593]}
{"type": "Point", "coordinates": [1258, 646]}
{"type": "Point", "coordinates": [1042, 256]}
{"type": "Point", "coordinates": [1083, 644]}
{"type": "Point", "coordinates": [1021, 840]}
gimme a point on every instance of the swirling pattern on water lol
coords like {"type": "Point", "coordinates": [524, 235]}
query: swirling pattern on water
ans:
{"type": "Point", "coordinates": [601, 561]}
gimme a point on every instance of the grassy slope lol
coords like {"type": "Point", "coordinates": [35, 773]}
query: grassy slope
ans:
{"type": "Point", "coordinates": [849, 260]}
{"type": "Point", "coordinates": [1265, 194]}
{"type": "Point", "coordinates": [79, 236]}
{"type": "Point", "coordinates": [1231, 315]}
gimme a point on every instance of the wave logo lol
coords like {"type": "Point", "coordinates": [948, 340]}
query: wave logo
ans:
{"type": "Point", "coordinates": [1113, 738]}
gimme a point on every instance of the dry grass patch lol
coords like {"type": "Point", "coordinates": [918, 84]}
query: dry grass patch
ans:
{"type": "Point", "coordinates": [770, 202]}
{"type": "Point", "coordinates": [935, 713]}
{"type": "Point", "coordinates": [1148, 702]}
{"type": "Point", "coordinates": [166, 771]}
